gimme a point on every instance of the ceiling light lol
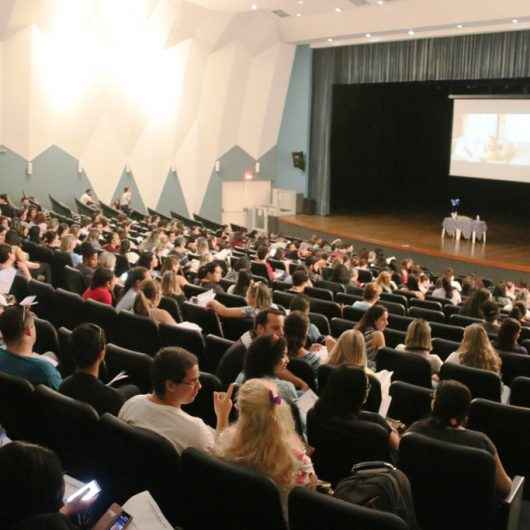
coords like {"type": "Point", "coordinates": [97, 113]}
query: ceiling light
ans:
{"type": "Point", "coordinates": [515, 20]}
{"type": "Point", "coordinates": [338, 9]}
{"type": "Point", "coordinates": [254, 7]}
{"type": "Point", "coordinates": [300, 2]}
{"type": "Point", "coordinates": [380, 2]}
{"type": "Point", "coordinates": [368, 35]}
{"type": "Point", "coordinates": [330, 40]}
{"type": "Point", "coordinates": [411, 32]}
{"type": "Point", "coordinates": [460, 26]}
{"type": "Point", "coordinates": [298, 14]}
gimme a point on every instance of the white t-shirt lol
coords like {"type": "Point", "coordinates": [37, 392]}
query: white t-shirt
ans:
{"type": "Point", "coordinates": [125, 198]}
{"type": "Point", "coordinates": [454, 358]}
{"type": "Point", "coordinates": [86, 199]}
{"type": "Point", "coordinates": [181, 429]}
{"type": "Point", "coordinates": [455, 295]}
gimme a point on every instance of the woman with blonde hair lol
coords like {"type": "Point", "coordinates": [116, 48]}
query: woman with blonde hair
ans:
{"type": "Point", "coordinates": [146, 303]}
{"type": "Point", "coordinates": [264, 439]}
{"type": "Point", "coordinates": [258, 297]}
{"type": "Point", "coordinates": [68, 243]}
{"type": "Point", "coordinates": [384, 280]}
{"type": "Point", "coordinates": [349, 349]}
{"type": "Point", "coordinates": [171, 287]}
{"type": "Point", "coordinates": [418, 340]}
{"type": "Point", "coordinates": [476, 350]}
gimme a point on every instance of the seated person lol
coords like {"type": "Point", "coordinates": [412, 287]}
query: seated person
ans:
{"type": "Point", "coordinates": [100, 286]}
{"type": "Point", "coordinates": [450, 409]}
{"type": "Point", "coordinates": [38, 270]}
{"type": "Point", "coordinates": [264, 439]}
{"type": "Point", "coordinates": [476, 351]}
{"type": "Point", "coordinates": [445, 289]}
{"type": "Point", "coordinates": [8, 262]}
{"type": "Point", "coordinates": [32, 486]}
{"type": "Point", "coordinates": [90, 262]}
{"type": "Point", "coordinates": [258, 298]}
{"type": "Point", "coordinates": [261, 257]}
{"type": "Point", "coordinates": [147, 301]}
{"type": "Point", "coordinates": [68, 244]}
{"type": "Point", "coordinates": [341, 401]}
{"type": "Point", "coordinates": [474, 305]}
{"type": "Point", "coordinates": [300, 282]}
{"type": "Point", "coordinates": [87, 199]}
{"type": "Point", "coordinates": [384, 280]}
{"type": "Point", "coordinates": [349, 349]}
{"type": "Point", "coordinates": [210, 276]}
{"type": "Point", "coordinates": [301, 303]}
{"type": "Point", "coordinates": [17, 326]}
{"type": "Point", "coordinates": [88, 346]}
{"type": "Point", "coordinates": [266, 358]}
{"type": "Point", "coordinates": [175, 378]}
{"type": "Point", "coordinates": [371, 294]}
{"type": "Point", "coordinates": [135, 277]}
{"type": "Point", "coordinates": [418, 340]}
{"type": "Point", "coordinates": [508, 335]}
{"type": "Point", "coordinates": [243, 281]}
{"type": "Point", "coordinates": [490, 311]}
{"type": "Point", "coordinates": [372, 326]}
{"type": "Point", "coordinates": [295, 329]}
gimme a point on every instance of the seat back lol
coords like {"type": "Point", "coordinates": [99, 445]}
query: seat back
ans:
{"type": "Point", "coordinates": [320, 293]}
{"type": "Point", "coordinates": [137, 333]}
{"type": "Point", "coordinates": [328, 309]}
{"type": "Point", "coordinates": [47, 339]}
{"type": "Point", "coordinates": [70, 306]}
{"type": "Point", "coordinates": [45, 294]}
{"type": "Point", "coordinates": [514, 365]}
{"type": "Point", "coordinates": [321, 322]}
{"type": "Point", "coordinates": [67, 363]}
{"type": "Point", "coordinates": [231, 300]}
{"type": "Point", "coordinates": [428, 314]}
{"type": "Point", "coordinates": [206, 318]}
{"type": "Point", "coordinates": [233, 328]}
{"type": "Point", "coordinates": [409, 367]}
{"type": "Point", "coordinates": [122, 265]}
{"type": "Point", "coordinates": [139, 460]}
{"type": "Point", "coordinates": [340, 325]}
{"type": "Point", "coordinates": [463, 321]}
{"type": "Point", "coordinates": [445, 331]}
{"type": "Point", "coordinates": [347, 299]}
{"type": "Point", "coordinates": [215, 349]}
{"type": "Point", "coordinates": [394, 297]}
{"type": "Point", "coordinates": [520, 394]}
{"type": "Point", "coordinates": [334, 287]}
{"type": "Point", "coordinates": [426, 304]}
{"type": "Point", "coordinates": [19, 288]}
{"type": "Point", "coordinates": [399, 322]}
{"type": "Point", "coordinates": [171, 306]}
{"type": "Point", "coordinates": [443, 347]}
{"type": "Point", "coordinates": [508, 427]}
{"type": "Point", "coordinates": [73, 280]}
{"type": "Point", "coordinates": [104, 316]}
{"type": "Point", "coordinates": [394, 308]}
{"type": "Point", "coordinates": [212, 485]}
{"type": "Point", "coordinates": [393, 337]}
{"type": "Point", "coordinates": [303, 371]}
{"type": "Point", "coordinates": [339, 445]}
{"type": "Point", "coordinates": [231, 364]}
{"type": "Point", "coordinates": [409, 402]}
{"type": "Point", "coordinates": [137, 366]}
{"type": "Point", "coordinates": [481, 383]}
{"type": "Point", "coordinates": [259, 269]}
{"type": "Point", "coordinates": [59, 261]}
{"type": "Point", "coordinates": [353, 313]}
{"type": "Point", "coordinates": [309, 510]}
{"type": "Point", "coordinates": [283, 298]}
{"type": "Point", "coordinates": [463, 477]}
{"type": "Point", "coordinates": [189, 339]}
{"type": "Point", "coordinates": [71, 430]}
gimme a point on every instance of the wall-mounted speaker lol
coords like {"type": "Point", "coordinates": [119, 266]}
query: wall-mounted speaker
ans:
{"type": "Point", "coordinates": [298, 160]}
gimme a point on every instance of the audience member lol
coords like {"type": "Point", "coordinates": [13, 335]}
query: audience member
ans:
{"type": "Point", "coordinates": [100, 288]}
{"type": "Point", "coordinates": [447, 291]}
{"type": "Point", "coordinates": [385, 282]}
{"type": "Point", "coordinates": [509, 333]}
{"type": "Point", "coordinates": [90, 262]}
{"type": "Point", "coordinates": [349, 349]}
{"type": "Point", "coordinates": [171, 287]}
{"type": "Point", "coordinates": [211, 276]}
{"type": "Point", "coordinates": [295, 330]}
{"type": "Point", "coordinates": [240, 288]}
{"type": "Point", "coordinates": [371, 295]}
{"type": "Point", "coordinates": [372, 325]}
{"type": "Point", "coordinates": [131, 288]}
{"type": "Point", "coordinates": [474, 306]}
{"type": "Point", "coordinates": [491, 324]}
{"type": "Point", "coordinates": [418, 341]}
{"type": "Point", "coordinates": [147, 301]}
{"type": "Point", "coordinates": [300, 281]}
{"type": "Point", "coordinates": [450, 409]}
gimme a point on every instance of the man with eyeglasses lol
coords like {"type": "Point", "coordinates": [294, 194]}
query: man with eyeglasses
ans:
{"type": "Point", "coordinates": [175, 378]}
{"type": "Point", "coordinates": [17, 326]}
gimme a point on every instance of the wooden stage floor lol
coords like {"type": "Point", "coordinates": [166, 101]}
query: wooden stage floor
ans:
{"type": "Point", "coordinates": [507, 247]}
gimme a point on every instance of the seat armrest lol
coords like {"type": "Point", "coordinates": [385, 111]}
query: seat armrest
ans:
{"type": "Point", "coordinates": [510, 510]}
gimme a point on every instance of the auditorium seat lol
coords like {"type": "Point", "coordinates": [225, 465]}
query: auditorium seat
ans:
{"type": "Point", "coordinates": [409, 367]}
{"type": "Point", "coordinates": [259, 269]}
{"type": "Point", "coordinates": [520, 394]}
{"type": "Point", "coordinates": [19, 288]}
{"type": "Point", "coordinates": [211, 486]}
{"type": "Point", "coordinates": [395, 298]}
{"type": "Point", "coordinates": [171, 306]}
{"type": "Point", "coordinates": [310, 510]}
{"type": "Point", "coordinates": [463, 321]}
{"type": "Point", "coordinates": [341, 444]}
{"type": "Point", "coordinates": [70, 309]}
{"type": "Point", "coordinates": [460, 477]}
{"type": "Point", "coordinates": [303, 371]}
{"type": "Point", "coordinates": [207, 319]}
{"type": "Point", "coordinates": [364, 276]}
{"type": "Point", "coordinates": [122, 265]}
{"type": "Point", "coordinates": [426, 304]}
{"type": "Point", "coordinates": [353, 313]}
{"type": "Point", "coordinates": [137, 332]}
{"type": "Point", "coordinates": [321, 322]}
{"type": "Point", "coordinates": [67, 363]}
{"type": "Point", "coordinates": [445, 331]}
{"type": "Point", "coordinates": [401, 323]}
{"type": "Point", "coordinates": [137, 366]}
{"type": "Point", "coordinates": [347, 299]}
{"type": "Point", "coordinates": [139, 460]}
{"type": "Point", "coordinates": [202, 405]}
{"type": "Point", "coordinates": [74, 281]}
{"type": "Point", "coordinates": [393, 337]}
{"type": "Point", "coordinates": [409, 402]}
{"type": "Point", "coordinates": [481, 383]}
{"type": "Point", "coordinates": [189, 339]}
{"type": "Point", "coordinates": [320, 293]}
{"type": "Point", "coordinates": [355, 291]}
{"type": "Point", "coordinates": [514, 365]}
{"type": "Point", "coordinates": [427, 314]}
{"type": "Point", "coordinates": [233, 328]}
{"type": "Point", "coordinates": [328, 309]}
{"type": "Point", "coordinates": [283, 298]}
{"type": "Point", "coordinates": [231, 300]}
{"type": "Point", "coordinates": [47, 339]}
{"type": "Point", "coordinates": [59, 261]}
{"type": "Point", "coordinates": [340, 325]}
{"type": "Point", "coordinates": [281, 286]}
{"type": "Point", "coordinates": [443, 347]}
{"type": "Point", "coordinates": [105, 316]}
{"type": "Point", "coordinates": [191, 290]}
{"type": "Point", "coordinates": [508, 427]}
{"type": "Point", "coordinates": [215, 349]}
{"type": "Point", "coordinates": [393, 308]}
{"type": "Point", "coordinates": [277, 264]}
{"type": "Point", "coordinates": [46, 300]}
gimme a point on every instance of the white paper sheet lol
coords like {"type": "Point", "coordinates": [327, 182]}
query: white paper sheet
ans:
{"type": "Point", "coordinates": [7, 277]}
{"type": "Point", "coordinates": [203, 298]}
{"type": "Point", "coordinates": [146, 513]}
{"type": "Point", "coordinates": [306, 402]}
{"type": "Point", "coordinates": [385, 378]}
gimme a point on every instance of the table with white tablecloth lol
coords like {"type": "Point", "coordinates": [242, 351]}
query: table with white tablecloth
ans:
{"type": "Point", "coordinates": [462, 226]}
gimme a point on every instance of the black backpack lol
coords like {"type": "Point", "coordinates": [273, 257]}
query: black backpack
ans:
{"type": "Point", "coordinates": [379, 485]}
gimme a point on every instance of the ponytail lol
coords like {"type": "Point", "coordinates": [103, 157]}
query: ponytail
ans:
{"type": "Point", "coordinates": [141, 305]}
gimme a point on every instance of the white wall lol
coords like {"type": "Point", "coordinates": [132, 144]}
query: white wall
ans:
{"type": "Point", "coordinates": [148, 83]}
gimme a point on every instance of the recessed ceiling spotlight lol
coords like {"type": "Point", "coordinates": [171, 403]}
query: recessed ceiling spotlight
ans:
{"type": "Point", "coordinates": [411, 32]}
{"type": "Point", "coordinates": [338, 9]}
{"type": "Point", "coordinates": [368, 35]}
{"type": "Point", "coordinates": [300, 2]}
{"type": "Point", "coordinates": [330, 40]}
{"type": "Point", "coordinates": [515, 20]}
{"type": "Point", "coordinates": [298, 14]}
{"type": "Point", "coordinates": [380, 2]}
{"type": "Point", "coordinates": [254, 7]}
{"type": "Point", "coordinates": [460, 26]}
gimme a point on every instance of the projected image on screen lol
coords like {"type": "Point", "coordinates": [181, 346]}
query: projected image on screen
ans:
{"type": "Point", "coordinates": [493, 145]}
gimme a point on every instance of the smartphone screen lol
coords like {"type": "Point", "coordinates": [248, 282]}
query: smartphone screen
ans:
{"type": "Point", "coordinates": [121, 522]}
{"type": "Point", "coordinates": [86, 493]}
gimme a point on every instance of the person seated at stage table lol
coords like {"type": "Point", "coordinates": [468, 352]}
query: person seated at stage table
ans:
{"type": "Point", "coordinates": [384, 280]}
{"type": "Point", "coordinates": [371, 294]}
{"type": "Point", "coordinates": [476, 351]}
{"type": "Point", "coordinates": [490, 310]}
{"type": "Point", "coordinates": [474, 305]}
{"type": "Point", "coordinates": [445, 289]}
{"type": "Point", "coordinates": [372, 325]}
{"type": "Point", "coordinates": [300, 282]}
{"type": "Point", "coordinates": [418, 341]}
{"type": "Point", "coordinates": [507, 337]}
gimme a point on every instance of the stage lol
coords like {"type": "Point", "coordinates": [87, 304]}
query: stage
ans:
{"type": "Point", "coordinates": [506, 255]}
